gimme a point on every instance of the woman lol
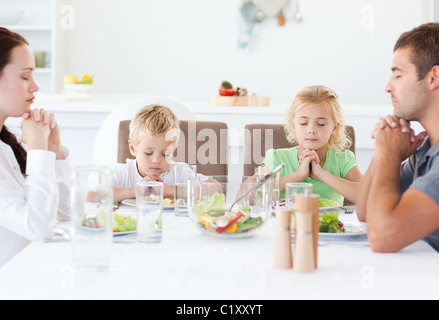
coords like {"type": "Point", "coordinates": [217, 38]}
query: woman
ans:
{"type": "Point", "coordinates": [26, 177]}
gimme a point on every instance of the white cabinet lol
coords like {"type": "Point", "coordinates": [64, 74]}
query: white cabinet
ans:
{"type": "Point", "coordinates": [36, 25]}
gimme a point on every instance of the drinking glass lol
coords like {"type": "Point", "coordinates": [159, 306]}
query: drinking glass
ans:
{"type": "Point", "coordinates": [91, 217]}
{"type": "Point", "coordinates": [292, 189]}
{"type": "Point", "coordinates": [261, 172]}
{"type": "Point", "coordinates": [149, 200]}
{"type": "Point", "coordinates": [182, 173]}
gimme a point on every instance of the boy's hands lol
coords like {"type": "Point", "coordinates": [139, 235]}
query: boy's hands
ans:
{"type": "Point", "coordinates": [168, 191]}
{"type": "Point", "coordinates": [149, 178]}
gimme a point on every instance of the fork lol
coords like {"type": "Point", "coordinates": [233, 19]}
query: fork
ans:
{"type": "Point", "coordinates": [349, 209]}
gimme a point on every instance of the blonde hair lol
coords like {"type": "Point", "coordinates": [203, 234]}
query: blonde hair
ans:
{"type": "Point", "coordinates": [154, 120]}
{"type": "Point", "coordinates": [327, 98]}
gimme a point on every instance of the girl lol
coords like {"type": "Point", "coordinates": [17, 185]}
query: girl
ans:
{"type": "Point", "coordinates": [25, 176]}
{"type": "Point", "coordinates": [315, 121]}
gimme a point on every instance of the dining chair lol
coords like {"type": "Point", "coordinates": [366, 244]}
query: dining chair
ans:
{"type": "Point", "coordinates": [105, 146]}
{"type": "Point", "coordinates": [258, 138]}
{"type": "Point", "coordinates": [203, 143]}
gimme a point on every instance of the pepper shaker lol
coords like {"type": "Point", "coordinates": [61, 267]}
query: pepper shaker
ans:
{"type": "Point", "coordinates": [306, 236]}
{"type": "Point", "coordinates": [283, 258]}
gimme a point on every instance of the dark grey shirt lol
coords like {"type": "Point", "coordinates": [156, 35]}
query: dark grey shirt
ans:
{"type": "Point", "coordinates": [421, 171]}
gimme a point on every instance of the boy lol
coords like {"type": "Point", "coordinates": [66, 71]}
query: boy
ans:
{"type": "Point", "coordinates": [154, 134]}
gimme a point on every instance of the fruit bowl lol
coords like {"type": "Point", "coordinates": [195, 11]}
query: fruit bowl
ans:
{"type": "Point", "coordinates": [78, 88]}
{"type": "Point", "coordinates": [72, 84]}
{"type": "Point", "coordinates": [209, 207]}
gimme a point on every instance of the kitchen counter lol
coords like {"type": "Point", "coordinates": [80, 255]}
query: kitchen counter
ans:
{"type": "Point", "coordinates": [92, 103]}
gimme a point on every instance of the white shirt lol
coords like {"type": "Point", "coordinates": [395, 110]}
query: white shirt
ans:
{"type": "Point", "coordinates": [24, 202]}
{"type": "Point", "coordinates": [126, 175]}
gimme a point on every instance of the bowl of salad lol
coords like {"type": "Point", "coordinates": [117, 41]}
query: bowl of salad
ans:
{"type": "Point", "coordinates": [214, 210]}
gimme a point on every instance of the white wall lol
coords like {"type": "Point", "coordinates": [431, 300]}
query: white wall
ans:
{"type": "Point", "coordinates": [187, 47]}
{"type": "Point", "coordinates": [434, 4]}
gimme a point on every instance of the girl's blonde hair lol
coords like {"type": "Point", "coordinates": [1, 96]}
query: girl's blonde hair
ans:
{"type": "Point", "coordinates": [327, 98]}
{"type": "Point", "coordinates": [154, 120]}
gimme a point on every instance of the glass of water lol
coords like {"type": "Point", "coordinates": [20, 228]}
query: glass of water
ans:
{"type": "Point", "coordinates": [91, 218]}
{"type": "Point", "coordinates": [149, 200]}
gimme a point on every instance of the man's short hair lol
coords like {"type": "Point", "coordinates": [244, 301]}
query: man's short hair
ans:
{"type": "Point", "coordinates": [424, 42]}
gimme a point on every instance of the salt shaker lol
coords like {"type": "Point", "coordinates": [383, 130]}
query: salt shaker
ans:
{"type": "Point", "coordinates": [282, 253]}
{"type": "Point", "coordinates": [306, 235]}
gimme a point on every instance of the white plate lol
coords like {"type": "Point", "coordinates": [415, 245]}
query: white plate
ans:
{"type": "Point", "coordinates": [129, 202]}
{"type": "Point", "coordinates": [354, 231]}
{"type": "Point", "coordinates": [332, 208]}
{"type": "Point", "coordinates": [323, 209]}
{"type": "Point", "coordinates": [116, 234]}
{"type": "Point", "coordinates": [132, 202]}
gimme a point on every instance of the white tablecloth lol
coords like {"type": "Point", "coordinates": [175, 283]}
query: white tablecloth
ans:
{"type": "Point", "coordinates": [190, 265]}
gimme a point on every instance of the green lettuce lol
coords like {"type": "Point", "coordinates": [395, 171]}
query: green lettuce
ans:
{"type": "Point", "coordinates": [215, 204]}
{"type": "Point", "coordinates": [329, 223]}
{"type": "Point", "coordinates": [326, 203]}
{"type": "Point", "coordinates": [123, 223]}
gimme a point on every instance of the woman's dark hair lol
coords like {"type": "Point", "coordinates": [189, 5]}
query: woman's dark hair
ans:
{"type": "Point", "coordinates": [424, 42]}
{"type": "Point", "coordinates": [8, 41]}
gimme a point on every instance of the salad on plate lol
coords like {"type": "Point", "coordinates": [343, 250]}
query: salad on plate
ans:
{"type": "Point", "coordinates": [167, 202]}
{"type": "Point", "coordinates": [327, 203]}
{"type": "Point", "coordinates": [124, 223]}
{"type": "Point", "coordinates": [329, 223]}
{"type": "Point", "coordinates": [121, 223]}
{"type": "Point", "coordinates": [324, 203]}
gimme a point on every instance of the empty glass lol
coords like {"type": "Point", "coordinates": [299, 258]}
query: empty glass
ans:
{"type": "Point", "coordinates": [262, 171]}
{"type": "Point", "coordinates": [149, 200]}
{"type": "Point", "coordinates": [292, 189]}
{"type": "Point", "coordinates": [182, 174]}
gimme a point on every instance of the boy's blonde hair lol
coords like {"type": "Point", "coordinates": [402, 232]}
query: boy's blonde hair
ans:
{"type": "Point", "coordinates": [154, 120]}
{"type": "Point", "coordinates": [327, 98]}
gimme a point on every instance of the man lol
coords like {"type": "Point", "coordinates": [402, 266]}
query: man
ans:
{"type": "Point", "coordinates": [400, 203]}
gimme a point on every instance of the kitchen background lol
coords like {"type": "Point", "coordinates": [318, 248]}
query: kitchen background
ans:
{"type": "Point", "coordinates": [184, 49]}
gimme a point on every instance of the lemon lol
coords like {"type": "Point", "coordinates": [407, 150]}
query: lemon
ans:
{"type": "Point", "coordinates": [86, 79]}
{"type": "Point", "coordinates": [70, 79]}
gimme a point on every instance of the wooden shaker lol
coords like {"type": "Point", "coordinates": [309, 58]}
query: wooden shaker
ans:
{"type": "Point", "coordinates": [307, 232]}
{"type": "Point", "coordinates": [283, 258]}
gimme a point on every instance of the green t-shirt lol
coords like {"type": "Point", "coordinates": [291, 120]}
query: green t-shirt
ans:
{"type": "Point", "coordinates": [337, 163]}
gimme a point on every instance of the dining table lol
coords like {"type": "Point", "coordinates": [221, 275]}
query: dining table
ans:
{"type": "Point", "coordinates": [190, 265]}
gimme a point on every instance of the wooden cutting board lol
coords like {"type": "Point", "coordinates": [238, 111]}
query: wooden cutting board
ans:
{"type": "Point", "coordinates": [237, 101]}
